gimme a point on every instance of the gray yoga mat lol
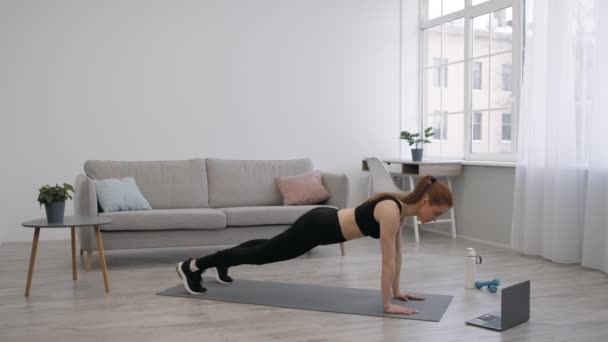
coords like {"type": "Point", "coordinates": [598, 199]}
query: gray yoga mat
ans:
{"type": "Point", "coordinates": [313, 297]}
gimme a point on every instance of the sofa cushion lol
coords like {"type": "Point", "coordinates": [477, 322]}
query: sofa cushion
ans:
{"type": "Point", "coordinates": [270, 215]}
{"type": "Point", "coordinates": [176, 184]}
{"type": "Point", "coordinates": [160, 219]}
{"type": "Point", "coordinates": [306, 188]}
{"type": "Point", "coordinates": [120, 194]}
{"type": "Point", "coordinates": [247, 183]}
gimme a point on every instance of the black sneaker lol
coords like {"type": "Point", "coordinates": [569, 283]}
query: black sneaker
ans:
{"type": "Point", "coordinates": [221, 275]}
{"type": "Point", "coordinates": [192, 280]}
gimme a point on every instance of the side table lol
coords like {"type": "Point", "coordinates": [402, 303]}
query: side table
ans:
{"type": "Point", "coordinates": [72, 222]}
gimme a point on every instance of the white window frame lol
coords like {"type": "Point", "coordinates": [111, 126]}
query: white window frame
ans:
{"type": "Point", "coordinates": [467, 13]}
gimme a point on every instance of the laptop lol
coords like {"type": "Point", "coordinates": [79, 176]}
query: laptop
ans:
{"type": "Point", "coordinates": [514, 309]}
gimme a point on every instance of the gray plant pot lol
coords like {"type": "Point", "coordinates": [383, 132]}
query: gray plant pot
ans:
{"type": "Point", "coordinates": [417, 154]}
{"type": "Point", "coordinates": [54, 212]}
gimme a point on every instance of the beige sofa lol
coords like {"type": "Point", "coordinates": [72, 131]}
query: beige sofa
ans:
{"type": "Point", "coordinates": [197, 202]}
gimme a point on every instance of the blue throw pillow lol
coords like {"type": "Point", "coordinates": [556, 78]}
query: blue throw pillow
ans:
{"type": "Point", "coordinates": [120, 194]}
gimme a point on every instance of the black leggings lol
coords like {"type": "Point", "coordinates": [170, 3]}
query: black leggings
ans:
{"type": "Point", "coordinates": [319, 226]}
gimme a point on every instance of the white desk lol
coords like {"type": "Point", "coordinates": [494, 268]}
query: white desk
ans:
{"type": "Point", "coordinates": [413, 169]}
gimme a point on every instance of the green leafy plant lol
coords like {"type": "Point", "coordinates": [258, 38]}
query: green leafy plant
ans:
{"type": "Point", "coordinates": [49, 194]}
{"type": "Point", "coordinates": [415, 138]}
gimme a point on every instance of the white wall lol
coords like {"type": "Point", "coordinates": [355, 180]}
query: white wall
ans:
{"type": "Point", "coordinates": [410, 71]}
{"type": "Point", "coordinates": [161, 79]}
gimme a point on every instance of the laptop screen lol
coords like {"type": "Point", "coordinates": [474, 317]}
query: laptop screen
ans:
{"type": "Point", "coordinates": [515, 307]}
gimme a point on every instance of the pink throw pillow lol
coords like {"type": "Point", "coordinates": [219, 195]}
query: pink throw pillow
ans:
{"type": "Point", "coordinates": [306, 188]}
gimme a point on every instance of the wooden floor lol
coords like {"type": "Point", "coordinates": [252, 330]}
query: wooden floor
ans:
{"type": "Point", "coordinates": [569, 303]}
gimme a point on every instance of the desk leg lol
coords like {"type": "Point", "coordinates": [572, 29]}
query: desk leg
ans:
{"type": "Point", "coordinates": [74, 272]}
{"type": "Point", "coordinates": [415, 218]}
{"type": "Point", "coordinates": [30, 272]}
{"type": "Point", "coordinates": [102, 259]}
{"type": "Point", "coordinates": [452, 210]}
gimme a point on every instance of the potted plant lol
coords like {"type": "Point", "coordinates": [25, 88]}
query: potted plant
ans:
{"type": "Point", "coordinates": [53, 198]}
{"type": "Point", "coordinates": [415, 139]}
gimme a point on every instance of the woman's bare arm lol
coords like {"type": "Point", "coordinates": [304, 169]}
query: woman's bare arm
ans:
{"type": "Point", "coordinates": [387, 214]}
{"type": "Point", "coordinates": [398, 259]}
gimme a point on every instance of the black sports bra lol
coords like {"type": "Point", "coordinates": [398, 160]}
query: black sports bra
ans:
{"type": "Point", "coordinates": [364, 216]}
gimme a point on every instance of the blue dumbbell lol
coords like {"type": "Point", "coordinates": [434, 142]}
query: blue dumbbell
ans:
{"type": "Point", "coordinates": [492, 285]}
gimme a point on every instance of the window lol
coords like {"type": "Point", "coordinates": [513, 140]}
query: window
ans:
{"type": "Point", "coordinates": [507, 82]}
{"type": "Point", "coordinates": [440, 72]}
{"type": "Point", "coordinates": [477, 117]}
{"type": "Point", "coordinates": [506, 127]}
{"type": "Point", "coordinates": [477, 43]}
{"type": "Point", "coordinates": [476, 75]}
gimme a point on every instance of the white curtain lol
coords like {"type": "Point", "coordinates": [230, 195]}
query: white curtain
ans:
{"type": "Point", "coordinates": [561, 187]}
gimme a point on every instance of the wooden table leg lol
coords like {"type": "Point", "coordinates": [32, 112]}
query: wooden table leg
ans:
{"type": "Point", "coordinates": [342, 248]}
{"type": "Point", "coordinates": [102, 259]}
{"type": "Point", "coordinates": [30, 272]}
{"type": "Point", "coordinates": [74, 274]}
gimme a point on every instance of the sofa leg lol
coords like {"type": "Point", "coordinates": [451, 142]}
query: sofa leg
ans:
{"type": "Point", "coordinates": [87, 261]}
{"type": "Point", "coordinates": [342, 248]}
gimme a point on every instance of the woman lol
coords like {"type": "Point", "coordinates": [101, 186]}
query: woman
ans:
{"type": "Point", "coordinates": [379, 217]}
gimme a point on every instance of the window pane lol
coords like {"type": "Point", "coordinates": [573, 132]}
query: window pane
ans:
{"type": "Point", "coordinates": [450, 6]}
{"type": "Point", "coordinates": [500, 122]}
{"type": "Point", "coordinates": [476, 79]}
{"type": "Point", "coordinates": [438, 122]}
{"type": "Point", "coordinates": [432, 37]}
{"type": "Point", "coordinates": [502, 30]}
{"type": "Point", "coordinates": [476, 2]}
{"type": "Point", "coordinates": [452, 126]}
{"type": "Point", "coordinates": [481, 33]}
{"type": "Point", "coordinates": [500, 81]}
{"type": "Point", "coordinates": [479, 97]}
{"type": "Point", "coordinates": [479, 143]}
{"type": "Point", "coordinates": [477, 126]}
{"type": "Point", "coordinates": [506, 127]}
{"type": "Point", "coordinates": [436, 73]}
{"type": "Point", "coordinates": [507, 81]}
{"type": "Point", "coordinates": [453, 91]}
{"type": "Point", "coordinates": [433, 9]}
{"type": "Point", "coordinates": [453, 40]}
{"type": "Point", "coordinates": [432, 94]}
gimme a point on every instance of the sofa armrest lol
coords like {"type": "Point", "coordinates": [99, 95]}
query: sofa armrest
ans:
{"type": "Point", "coordinates": [85, 204]}
{"type": "Point", "coordinates": [338, 187]}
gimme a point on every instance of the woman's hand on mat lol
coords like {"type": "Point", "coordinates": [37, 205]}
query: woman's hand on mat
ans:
{"type": "Point", "coordinates": [407, 296]}
{"type": "Point", "coordinates": [398, 309]}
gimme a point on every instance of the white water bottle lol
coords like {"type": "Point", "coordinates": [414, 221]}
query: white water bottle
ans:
{"type": "Point", "coordinates": [470, 264]}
